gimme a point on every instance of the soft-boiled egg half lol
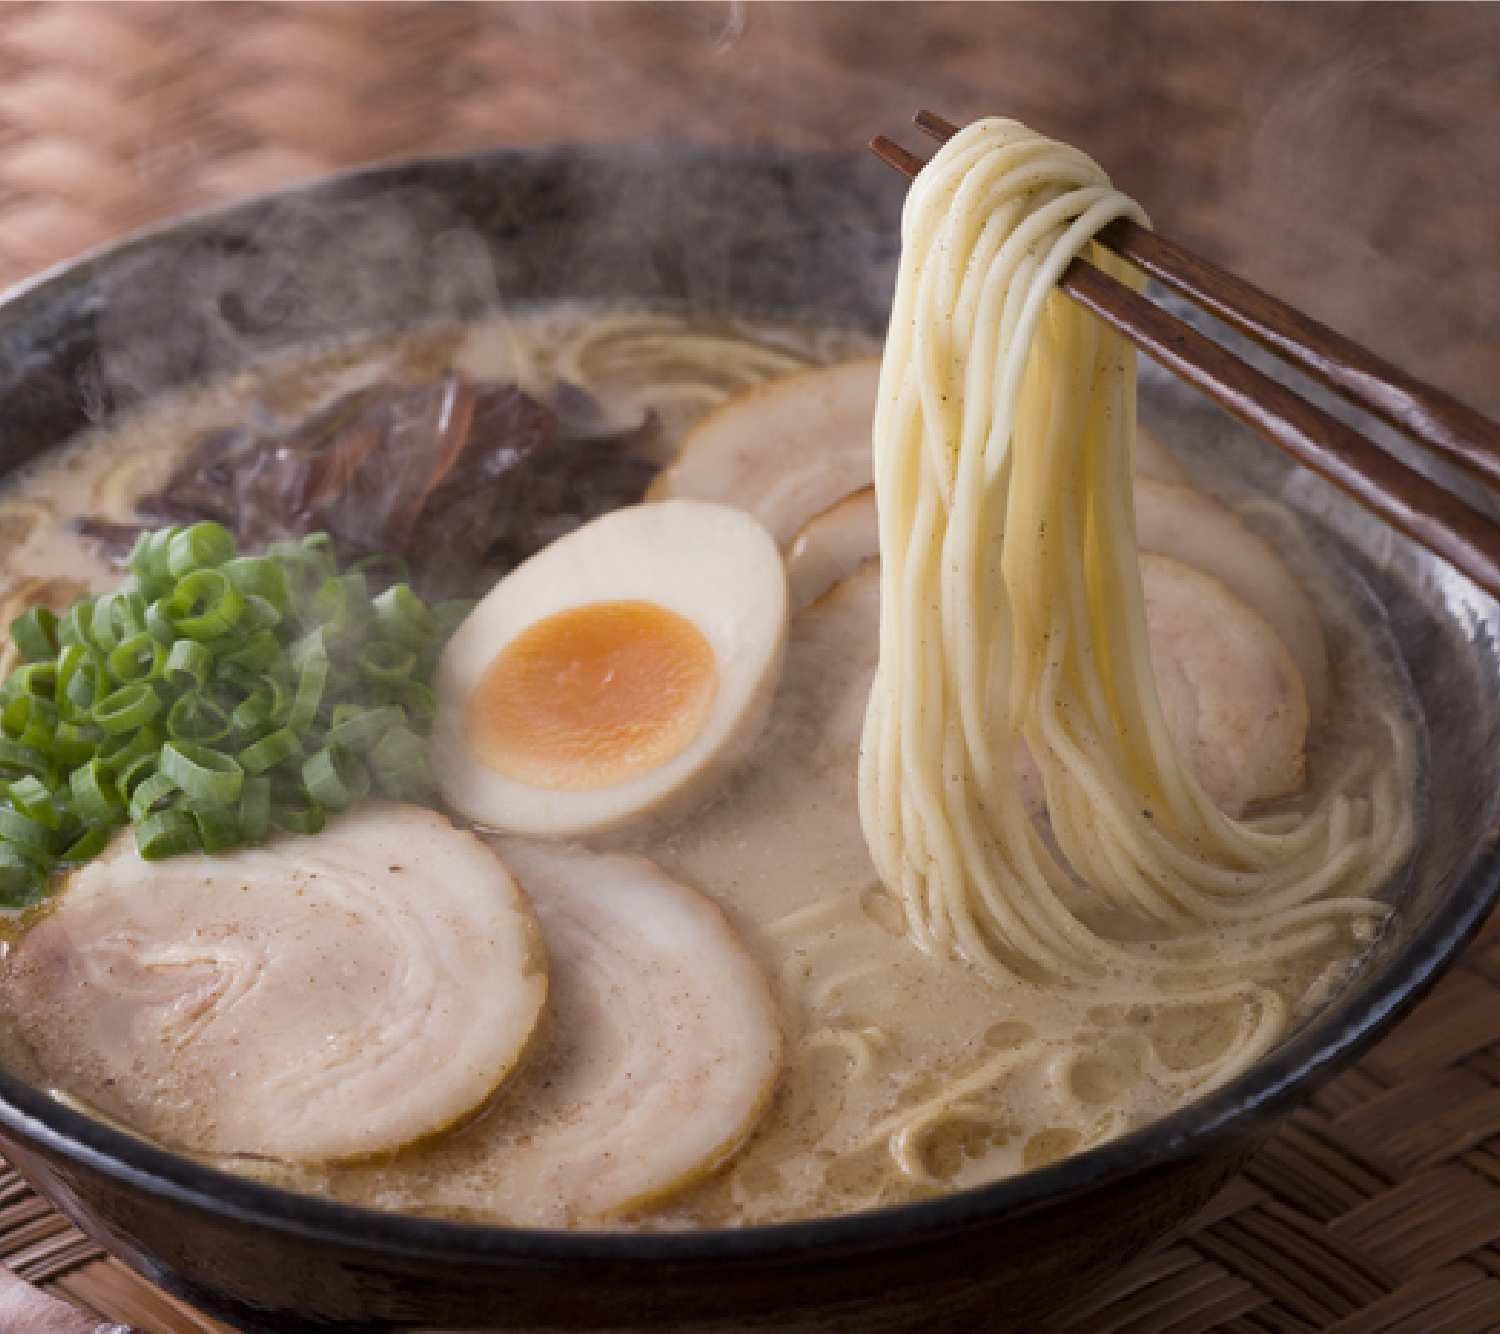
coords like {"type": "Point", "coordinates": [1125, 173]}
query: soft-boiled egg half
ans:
{"type": "Point", "coordinates": [615, 674]}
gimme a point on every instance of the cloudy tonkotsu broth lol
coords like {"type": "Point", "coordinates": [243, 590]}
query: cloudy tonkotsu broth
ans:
{"type": "Point", "coordinates": [903, 1072]}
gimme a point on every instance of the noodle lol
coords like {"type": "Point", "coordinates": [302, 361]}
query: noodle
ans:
{"type": "Point", "coordinates": [1012, 608]}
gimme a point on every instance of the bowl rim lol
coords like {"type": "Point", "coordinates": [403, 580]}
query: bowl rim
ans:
{"type": "Point", "coordinates": [1332, 1039]}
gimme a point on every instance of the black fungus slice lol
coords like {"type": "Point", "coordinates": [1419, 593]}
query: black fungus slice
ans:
{"type": "Point", "coordinates": [462, 479]}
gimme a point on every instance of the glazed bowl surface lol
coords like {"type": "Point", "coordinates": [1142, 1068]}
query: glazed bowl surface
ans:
{"type": "Point", "coordinates": [795, 237]}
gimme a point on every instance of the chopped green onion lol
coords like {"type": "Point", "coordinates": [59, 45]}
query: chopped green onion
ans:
{"type": "Point", "coordinates": [149, 560]}
{"type": "Point", "coordinates": [127, 708]}
{"type": "Point", "coordinates": [117, 751]}
{"type": "Point", "coordinates": [103, 636]}
{"type": "Point", "coordinates": [201, 772]}
{"type": "Point", "coordinates": [197, 717]}
{"type": "Point", "coordinates": [260, 613]}
{"type": "Point", "coordinates": [73, 628]}
{"type": "Point", "coordinates": [241, 678]}
{"type": "Point", "coordinates": [159, 625]}
{"type": "Point", "coordinates": [296, 810]}
{"type": "Point", "coordinates": [403, 616]}
{"type": "Point", "coordinates": [311, 645]}
{"type": "Point", "coordinates": [31, 720]}
{"type": "Point", "coordinates": [139, 658]}
{"type": "Point", "coordinates": [254, 712]}
{"type": "Point", "coordinates": [148, 793]}
{"type": "Point", "coordinates": [33, 799]}
{"type": "Point", "coordinates": [35, 634]}
{"type": "Point", "coordinates": [310, 684]}
{"type": "Point", "coordinates": [78, 674]}
{"type": "Point", "coordinates": [35, 678]}
{"type": "Point", "coordinates": [255, 653]}
{"type": "Point", "coordinates": [34, 838]}
{"type": "Point", "coordinates": [384, 663]}
{"type": "Point", "coordinates": [260, 577]}
{"type": "Point", "coordinates": [117, 617]}
{"type": "Point", "coordinates": [255, 810]}
{"type": "Point", "coordinates": [167, 833]}
{"type": "Point", "coordinates": [360, 729]}
{"type": "Point", "coordinates": [210, 698]}
{"type": "Point", "coordinates": [188, 665]}
{"type": "Point", "coordinates": [335, 778]}
{"type": "Point", "coordinates": [27, 759]}
{"type": "Point", "coordinates": [218, 826]}
{"type": "Point", "coordinates": [199, 547]}
{"type": "Point", "coordinates": [23, 880]}
{"type": "Point", "coordinates": [203, 606]}
{"type": "Point", "coordinates": [139, 555]}
{"type": "Point", "coordinates": [86, 846]}
{"type": "Point", "coordinates": [74, 744]}
{"type": "Point", "coordinates": [133, 772]}
{"type": "Point", "coordinates": [95, 796]}
{"type": "Point", "coordinates": [330, 605]}
{"type": "Point", "coordinates": [416, 698]}
{"type": "Point", "coordinates": [305, 572]}
{"type": "Point", "coordinates": [276, 748]}
{"type": "Point", "coordinates": [399, 765]}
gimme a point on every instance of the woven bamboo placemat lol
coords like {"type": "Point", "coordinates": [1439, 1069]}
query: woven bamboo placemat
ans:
{"type": "Point", "coordinates": [1290, 142]}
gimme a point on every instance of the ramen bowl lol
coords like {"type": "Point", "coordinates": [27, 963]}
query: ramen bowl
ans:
{"type": "Point", "coordinates": [797, 238]}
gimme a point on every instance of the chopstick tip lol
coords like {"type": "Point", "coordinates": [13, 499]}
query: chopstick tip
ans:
{"type": "Point", "coordinates": [929, 122]}
{"type": "Point", "coordinates": [893, 155]}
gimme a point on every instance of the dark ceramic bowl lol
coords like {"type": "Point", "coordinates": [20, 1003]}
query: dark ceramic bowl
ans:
{"type": "Point", "coordinates": [800, 237]}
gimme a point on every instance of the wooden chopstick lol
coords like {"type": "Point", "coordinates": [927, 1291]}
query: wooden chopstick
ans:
{"type": "Point", "coordinates": [1404, 498]}
{"type": "Point", "coordinates": [1423, 411]}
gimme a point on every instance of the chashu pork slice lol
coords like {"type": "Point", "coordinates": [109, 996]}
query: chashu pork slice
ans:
{"type": "Point", "coordinates": [1195, 528]}
{"type": "Point", "coordinates": [785, 450]}
{"type": "Point", "coordinates": [662, 1044]}
{"type": "Point", "coordinates": [1231, 695]}
{"type": "Point", "coordinates": [831, 546]}
{"type": "Point", "coordinates": [321, 998]}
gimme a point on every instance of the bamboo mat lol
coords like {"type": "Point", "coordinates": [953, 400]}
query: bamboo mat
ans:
{"type": "Point", "coordinates": [1344, 156]}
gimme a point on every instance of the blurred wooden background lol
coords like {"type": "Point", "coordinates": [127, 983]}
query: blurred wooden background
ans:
{"type": "Point", "coordinates": [1346, 155]}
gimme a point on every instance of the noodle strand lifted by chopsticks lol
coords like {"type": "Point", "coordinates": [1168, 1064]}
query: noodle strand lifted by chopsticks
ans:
{"type": "Point", "coordinates": [1012, 608]}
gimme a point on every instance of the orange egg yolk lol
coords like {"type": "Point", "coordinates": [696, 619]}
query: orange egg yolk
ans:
{"type": "Point", "coordinates": [593, 696]}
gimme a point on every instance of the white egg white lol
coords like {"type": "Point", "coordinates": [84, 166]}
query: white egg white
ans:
{"type": "Point", "coordinates": [713, 565]}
